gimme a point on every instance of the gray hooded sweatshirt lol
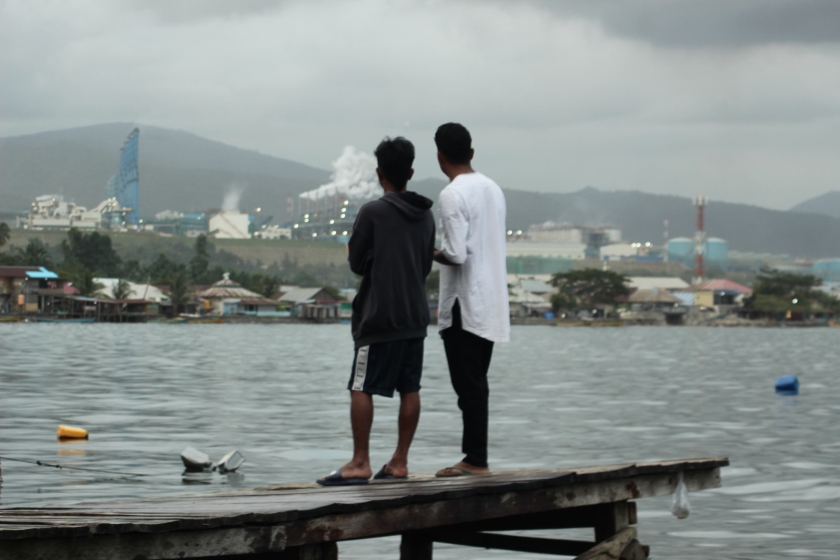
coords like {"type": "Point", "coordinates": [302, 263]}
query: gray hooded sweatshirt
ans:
{"type": "Point", "coordinates": [391, 247]}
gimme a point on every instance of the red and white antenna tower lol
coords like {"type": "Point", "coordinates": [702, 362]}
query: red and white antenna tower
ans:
{"type": "Point", "coordinates": [699, 238]}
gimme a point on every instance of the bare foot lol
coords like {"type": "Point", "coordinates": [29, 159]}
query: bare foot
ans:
{"type": "Point", "coordinates": [396, 469]}
{"type": "Point", "coordinates": [356, 470]}
{"type": "Point", "coordinates": [462, 469]}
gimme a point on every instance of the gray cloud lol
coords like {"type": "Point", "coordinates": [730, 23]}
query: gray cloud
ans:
{"type": "Point", "coordinates": [555, 100]}
{"type": "Point", "coordinates": [188, 11]}
{"type": "Point", "coordinates": [704, 23]}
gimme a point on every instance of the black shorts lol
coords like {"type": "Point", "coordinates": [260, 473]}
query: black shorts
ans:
{"type": "Point", "coordinates": [379, 369]}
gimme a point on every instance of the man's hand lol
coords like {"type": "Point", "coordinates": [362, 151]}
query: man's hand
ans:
{"type": "Point", "coordinates": [439, 257]}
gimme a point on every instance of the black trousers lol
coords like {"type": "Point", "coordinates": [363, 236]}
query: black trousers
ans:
{"type": "Point", "coordinates": [468, 356]}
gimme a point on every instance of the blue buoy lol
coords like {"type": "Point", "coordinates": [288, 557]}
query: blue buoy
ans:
{"type": "Point", "coordinates": [787, 385]}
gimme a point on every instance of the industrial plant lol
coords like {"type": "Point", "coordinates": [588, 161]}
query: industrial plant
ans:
{"type": "Point", "coordinates": [328, 218]}
{"type": "Point", "coordinates": [118, 212]}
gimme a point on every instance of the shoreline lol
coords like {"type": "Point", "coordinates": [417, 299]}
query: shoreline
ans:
{"type": "Point", "coordinates": [515, 321]}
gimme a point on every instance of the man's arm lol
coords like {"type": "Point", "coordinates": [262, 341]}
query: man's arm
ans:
{"type": "Point", "coordinates": [360, 246]}
{"type": "Point", "coordinates": [441, 258]}
{"type": "Point", "coordinates": [454, 226]}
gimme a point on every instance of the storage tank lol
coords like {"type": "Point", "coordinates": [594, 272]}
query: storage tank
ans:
{"type": "Point", "coordinates": [827, 269]}
{"type": "Point", "coordinates": [680, 249]}
{"type": "Point", "coordinates": [715, 249]}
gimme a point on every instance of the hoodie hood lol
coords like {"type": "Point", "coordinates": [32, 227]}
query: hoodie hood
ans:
{"type": "Point", "coordinates": [412, 205]}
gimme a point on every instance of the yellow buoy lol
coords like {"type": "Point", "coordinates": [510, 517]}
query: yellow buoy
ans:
{"type": "Point", "coordinates": [69, 432]}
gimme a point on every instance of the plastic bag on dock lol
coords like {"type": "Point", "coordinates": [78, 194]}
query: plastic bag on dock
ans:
{"type": "Point", "coordinates": [680, 506]}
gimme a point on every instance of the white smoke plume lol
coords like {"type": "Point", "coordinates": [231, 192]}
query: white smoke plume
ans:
{"type": "Point", "coordinates": [354, 176]}
{"type": "Point", "coordinates": [232, 196]}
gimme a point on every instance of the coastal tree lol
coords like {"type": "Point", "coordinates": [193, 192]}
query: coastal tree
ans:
{"type": "Point", "coordinates": [134, 271]}
{"type": "Point", "coordinates": [586, 288]}
{"type": "Point", "coordinates": [5, 233]}
{"type": "Point", "coordinates": [36, 253]}
{"type": "Point", "coordinates": [265, 284]}
{"type": "Point", "coordinates": [781, 292]}
{"type": "Point", "coordinates": [260, 282]}
{"type": "Point", "coordinates": [84, 281]}
{"type": "Point", "coordinates": [200, 263]}
{"type": "Point", "coordinates": [163, 269]}
{"type": "Point", "coordinates": [92, 251]}
{"type": "Point", "coordinates": [122, 289]}
{"type": "Point", "coordinates": [178, 291]}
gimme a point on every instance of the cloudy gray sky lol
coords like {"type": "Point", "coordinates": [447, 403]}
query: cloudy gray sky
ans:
{"type": "Point", "coordinates": [736, 100]}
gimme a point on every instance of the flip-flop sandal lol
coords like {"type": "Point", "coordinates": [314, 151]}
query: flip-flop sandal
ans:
{"type": "Point", "coordinates": [335, 479]}
{"type": "Point", "coordinates": [457, 471]}
{"type": "Point", "coordinates": [382, 475]}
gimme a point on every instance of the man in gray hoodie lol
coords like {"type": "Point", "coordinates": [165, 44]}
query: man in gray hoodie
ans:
{"type": "Point", "coordinates": [391, 247]}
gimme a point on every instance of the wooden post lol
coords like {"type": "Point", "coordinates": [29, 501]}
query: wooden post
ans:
{"type": "Point", "coordinates": [610, 519]}
{"type": "Point", "coordinates": [416, 546]}
{"type": "Point", "coordinates": [320, 551]}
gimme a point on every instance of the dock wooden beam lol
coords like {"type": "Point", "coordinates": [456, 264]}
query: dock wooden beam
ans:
{"type": "Point", "coordinates": [303, 521]}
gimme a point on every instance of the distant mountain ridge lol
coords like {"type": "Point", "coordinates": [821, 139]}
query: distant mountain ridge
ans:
{"type": "Point", "coordinates": [641, 216]}
{"type": "Point", "coordinates": [182, 171]}
{"type": "Point", "coordinates": [827, 204]}
{"type": "Point", "coordinates": [178, 170]}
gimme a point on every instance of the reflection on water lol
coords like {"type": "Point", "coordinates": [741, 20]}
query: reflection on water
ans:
{"type": "Point", "coordinates": [559, 397]}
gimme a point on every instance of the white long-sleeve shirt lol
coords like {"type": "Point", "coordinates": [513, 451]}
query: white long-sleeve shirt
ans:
{"type": "Point", "coordinates": [472, 221]}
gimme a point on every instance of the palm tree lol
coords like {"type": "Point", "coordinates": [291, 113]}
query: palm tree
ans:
{"type": "Point", "coordinates": [36, 253]}
{"type": "Point", "coordinates": [178, 291]}
{"type": "Point", "coordinates": [86, 285]}
{"type": "Point", "coordinates": [5, 234]}
{"type": "Point", "coordinates": [122, 290]}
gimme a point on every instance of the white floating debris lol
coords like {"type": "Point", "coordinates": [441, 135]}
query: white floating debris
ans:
{"type": "Point", "coordinates": [230, 462]}
{"type": "Point", "coordinates": [195, 460]}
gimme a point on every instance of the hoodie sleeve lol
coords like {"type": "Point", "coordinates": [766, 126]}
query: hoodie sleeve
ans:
{"type": "Point", "coordinates": [360, 246]}
{"type": "Point", "coordinates": [454, 225]}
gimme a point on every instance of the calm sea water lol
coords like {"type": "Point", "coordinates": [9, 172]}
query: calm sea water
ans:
{"type": "Point", "coordinates": [559, 397]}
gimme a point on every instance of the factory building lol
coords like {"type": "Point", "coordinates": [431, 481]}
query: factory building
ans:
{"type": "Point", "coordinates": [125, 185]}
{"type": "Point", "coordinates": [51, 212]}
{"type": "Point", "coordinates": [328, 218]}
{"type": "Point", "coordinates": [681, 249]}
{"type": "Point", "coordinates": [231, 224]}
{"type": "Point", "coordinates": [188, 224]}
{"type": "Point", "coordinates": [550, 232]}
{"type": "Point", "coordinates": [827, 270]}
{"type": "Point", "coordinates": [118, 210]}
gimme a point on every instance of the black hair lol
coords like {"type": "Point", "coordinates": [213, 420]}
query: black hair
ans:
{"type": "Point", "coordinates": [395, 158]}
{"type": "Point", "coordinates": [453, 140]}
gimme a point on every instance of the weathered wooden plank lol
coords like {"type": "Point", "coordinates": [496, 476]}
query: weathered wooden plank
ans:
{"type": "Point", "coordinates": [351, 525]}
{"type": "Point", "coordinates": [611, 548]}
{"type": "Point", "coordinates": [474, 508]}
{"type": "Point", "coordinates": [323, 551]}
{"type": "Point", "coordinates": [175, 544]}
{"type": "Point", "coordinates": [299, 502]}
{"type": "Point", "coordinates": [512, 542]}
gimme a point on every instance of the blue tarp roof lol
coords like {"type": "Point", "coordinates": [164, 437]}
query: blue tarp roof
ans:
{"type": "Point", "coordinates": [42, 274]}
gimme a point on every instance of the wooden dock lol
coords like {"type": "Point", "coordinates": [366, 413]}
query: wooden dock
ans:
{"type": "Point", "coordinates": [305, 521]}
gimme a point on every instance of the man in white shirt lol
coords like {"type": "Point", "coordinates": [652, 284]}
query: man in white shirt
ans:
{"type": "Point", "coordinates": [473, 311]}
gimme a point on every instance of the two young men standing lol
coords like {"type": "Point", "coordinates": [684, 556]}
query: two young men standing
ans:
{"type": "Point", "coordinates": [392, 247]}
